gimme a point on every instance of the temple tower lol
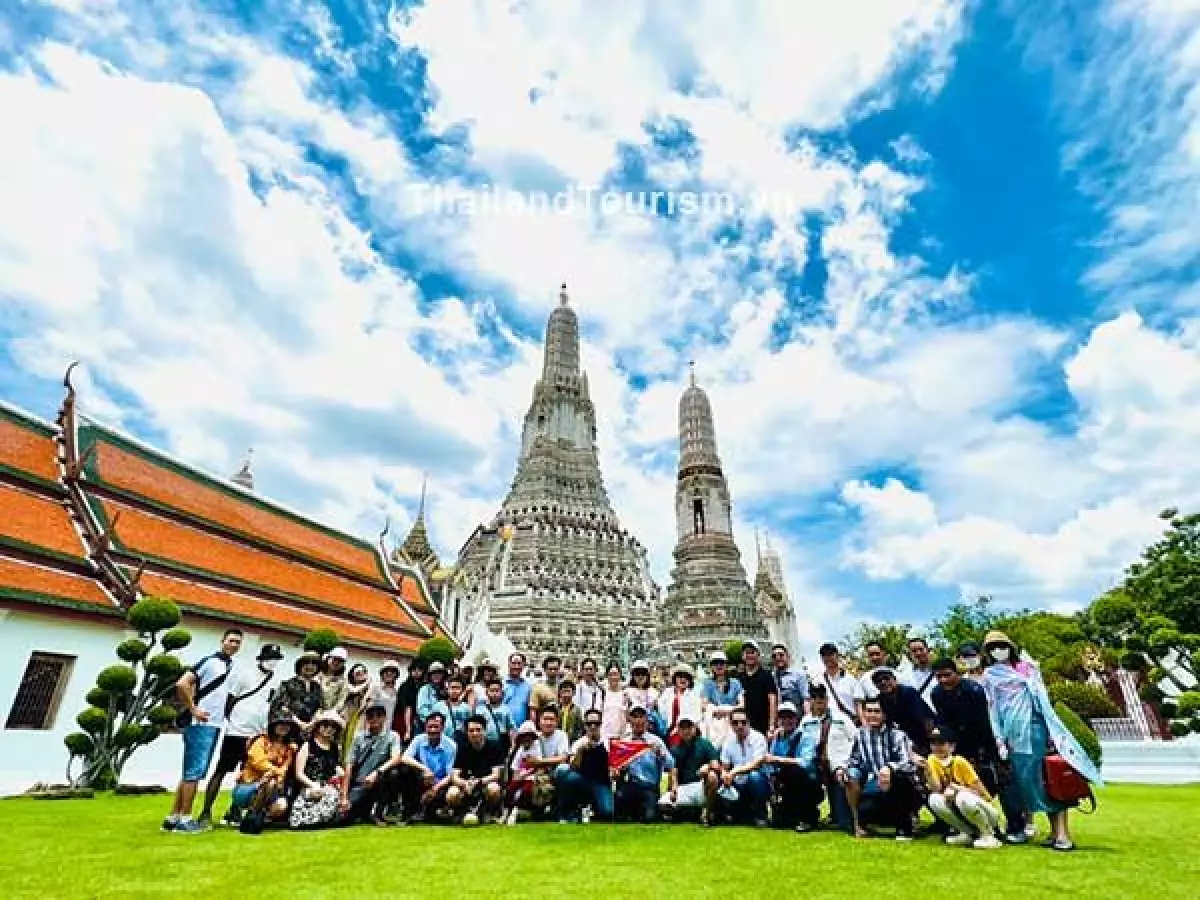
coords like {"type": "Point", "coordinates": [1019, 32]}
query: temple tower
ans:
{"type": "Point", "coordinates": [554, 570]}
{"type": "Point", "coordinates": [771, 596]}
{"type": "Point", "coordinates": [709, 600]}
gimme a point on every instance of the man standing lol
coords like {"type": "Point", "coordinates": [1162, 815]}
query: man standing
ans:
{"type": "Point", "coordinates": [876, 660]}
{"type": "Point", "coordinates": [203, 690]}
{"type": "Point", "coordinates": [760, 696]}
{"type": "Point", "coordinates": [640, 776]}
{"type": "Point", "coordinates": [791, 685]}
{"type": "Point", "coordinates": [844, 691]}
{"type": "Point", "coordinates": [589, 693]}
{"type": "Point", "coordinates": [476, 779]}
{"type": "Point", "coordinates": [697, 774]}
{"type": "Point", "coordinates": [517, 690]}
{"type": "Point", "coordinates": [880, 776]}
{"type": "Point", "coordinates": [742, 757]}
{"type": "Point", "coordinates": [835, 741]}
{"type": "Point", "coordinates": [545, 691]}
{"type": "Point", "coordinates": [245, 718]}
{"type": "Point", "coordinates": [918, 670]}
{"type": "Point", "coordinates": [905, 709]}
{"type": "Point", "coordinates": [373, 769]}
{"type": "Point", "coordinates": [792, 766]}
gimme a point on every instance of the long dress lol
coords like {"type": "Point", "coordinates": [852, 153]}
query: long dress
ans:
{"type": "Point", "coordinates": [612, 723]}
{"type": "Point", "coordinates": [1023, 716]}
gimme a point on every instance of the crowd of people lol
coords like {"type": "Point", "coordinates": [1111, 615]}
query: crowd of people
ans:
{"type": "Point", "coordinates": [763, 743]}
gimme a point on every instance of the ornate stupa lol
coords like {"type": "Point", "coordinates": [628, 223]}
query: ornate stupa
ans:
{"type": "Point", "coordinates": [771, 596]}
{"type": "Point", "coordinates": [416, 550]}
{"type": "Point", "coordinates": [709, 600]}
{"type": "Point", "coordinates": [554, 570]}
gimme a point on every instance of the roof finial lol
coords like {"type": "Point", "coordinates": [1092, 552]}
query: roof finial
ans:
{"type": "Point", "coordinates": [562, 294]}
{"type": "Point", "coordinates": [245, 475]}
{"type": "Point", "coordinates": [692, 372]}
{"type": "Point", "coordinates": [757, 545]}
{"type": "Point", "coordinates": [421, 504]}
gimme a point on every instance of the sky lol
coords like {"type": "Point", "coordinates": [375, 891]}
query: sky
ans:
{"type": "Point", "coordinates": [947, 318]}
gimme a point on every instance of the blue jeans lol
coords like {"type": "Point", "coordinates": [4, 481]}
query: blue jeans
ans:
{"type": "Point", "coordinates": [574, 792]}
{"type": "Point", "coordinates": [753, 790]}
{"type": "Point", "coordinates": [199, 745]}
{"type": "Point", "coordinates": [638, 801]}
{"type": "Point", "coordinates": [839, 806]}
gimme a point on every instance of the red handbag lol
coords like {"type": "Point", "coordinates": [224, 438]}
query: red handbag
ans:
{"type": "Point", "coordinates": [1064, 785]}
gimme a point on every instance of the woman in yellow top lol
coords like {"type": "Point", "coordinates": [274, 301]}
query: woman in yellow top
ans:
{"type": "Point", "coordinates": [958, 797]}
{"type": "Point", "coordinates": [264, 773]}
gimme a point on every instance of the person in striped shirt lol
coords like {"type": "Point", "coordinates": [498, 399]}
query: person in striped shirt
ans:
{"type": "Point", "coordinates": [880, 776]}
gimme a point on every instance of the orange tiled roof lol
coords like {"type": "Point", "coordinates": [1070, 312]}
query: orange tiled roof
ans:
{"type": "Point", "coordinates": [163, 540]}
{"type": "Point", "coordinates": [22, 580]}
{"type": "Point", "coordinates": [171, 486]}
{"type": "Point", "coordinates": [27, 448]}
{"type": "Point", "coordinates": [230, 604]}
{"type": "Point", "coordinates": [38, 523]}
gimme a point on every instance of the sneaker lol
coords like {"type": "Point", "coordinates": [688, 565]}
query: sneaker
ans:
{"type": "Point", "coordinates": [803, 828]}
{"type": "Point", "coordinates": [987, 842]}
{"type": "Point", "coordinates": [170, 823]}
{"type": "Point", "coordinates": [1031, 830]}
{"type": "Point", "coordinates": [512, 817]}
{"type": "Point", "coordinates": [191, 826]}
{"type": "Point", "coordinates": [1063, 846]}
{"type": "Point", "coordinates": [903, 836]}
{"type": "Point", "coordinates": [1018, 837]}
{"type": "Point", "coordinates": [205, 820]}
{"type": "Point", "coordinates": [761, 823]}
{"type": "Point", "coordinates": [958, 839]}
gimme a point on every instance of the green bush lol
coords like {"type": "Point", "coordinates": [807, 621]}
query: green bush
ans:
{"type": "Point", "coordinates": [117, 679]}
{"type": "Point", "coordinates": [438, 649]}
{"type": "Point", "coordinates": [151, 615]}
{"type": "Point", "coordinates": [98, 697]}
{"type": "Point", "coordinates": [132, 650]}
{"type": "Point", "coordinates": [78, 743]}
{"type": "Point", "coordinates": [733, 652]}
{"type": "Point", "coordinates": [162, 715]}
{"type": "Point", "coordinates": [1082, 733]}
{"type": "Point", "coordinates": [1168, 709]}
{"type": "Point", "coordinates": [1150, 693]}
{"type": "Point", "coordinates": [92, 720]}
{"type": "Point", "coordinates": [321, 640]}
{"type": "Point", "coordinates": [165, 666]}
{"type": "Point", "coordinates": [1180, 728]}
{"type": "Point", "coordinates": [176, 639]}
{"type": "Point", "coordinates": [1135, 662]}
{"type": "Point", "coordinates": [1087, 700]}
{"type": "Point", "coordinates": [127, 735]}
{"type": "Point", "coordinates": [1188, 703]}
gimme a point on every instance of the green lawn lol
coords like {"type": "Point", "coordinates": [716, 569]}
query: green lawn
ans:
{"type": "Point", "coordinates": [1142, 843]}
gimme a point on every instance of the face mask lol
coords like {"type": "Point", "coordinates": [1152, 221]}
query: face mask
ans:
{"type": "Point", "coordinates": [1000, 654]}
{"type": "Point", "coordinates": [268, 665]}
{"type": "Point", "coordinates": [971, 662]}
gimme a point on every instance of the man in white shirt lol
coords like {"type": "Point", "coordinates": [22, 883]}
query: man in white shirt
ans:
{"type": "Point", "coordinates": [917, 670]}
{"type": "Point", "coordinates": [835, 742]}
{"type": "Point", "coordinates": [589, 693]}
{"type": "Point", "coordinates": [202, 690]}
{"type": "Point", "coordinates": [876, 659]}
{"type": "Point", "coordinates": [745, 788]}
{"type": "Point", "coordinates": [550, 756]}
{"type": "Point", "coordinates": [246, 718]}
{"type": "Point", "coordinates": [844, 691]}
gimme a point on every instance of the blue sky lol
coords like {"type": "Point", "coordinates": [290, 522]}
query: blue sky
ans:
{"type": "Point", "coordinates": [961, 358]}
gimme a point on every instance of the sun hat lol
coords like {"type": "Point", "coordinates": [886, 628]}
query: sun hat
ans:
{"type": "Point", "coordinates": [308, 656]}
{"type": "Point", "coordinates": [717, 657]}
{"type": "Point", "coordinates": [639, 665]}
{"type": "Point", "coordinates": [436, 666]}
{"type": "Point", "coordinates": [998, 637]}
{"type": "Point", "coordinates": [527, 729]}
{"type": "Point", "coordinates": [683, 669]}
{"type": "Point", "coordinates": [330, 717]}
{"type": "Point", "coordinates": [338, 653]}
{"type": "Point", "coordinates": [374, 708]}
{"type": "Point", "coordinates": [390, 664]}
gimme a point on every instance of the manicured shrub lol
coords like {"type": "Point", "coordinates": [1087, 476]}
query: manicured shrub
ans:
{"type": "Point", "coordinates": [438, 649]}
{"type": "Point", "coordinates": [132, 650]}
{"type": "Point", "coordinates": [175, 639]}
{"type": "Point", "coordinates": [117, 679]}
{"type": "Point", "coordinates": [1087, 700]}
{"type": "Point", "coordinates": [92, 720]}
{"type": "Point", "coordinates": [151, 615]}
{"type": "Point", "coordinates": [1188, 703]}
{"type": "Point", "coordinates": [321, 640]}
{"type": "Point", "coordinates": [78, 743]}
{"type": "Point", "coordinates": [1081, 732]}
{"type": "Point", "coordinates": [163, 715]}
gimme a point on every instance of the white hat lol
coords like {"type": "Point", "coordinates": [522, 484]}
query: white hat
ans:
{"type": "Point", "coordinates": [329, 716]}
{"type": "Point", "coordinates": [390, 664]}
{"type": "Point", "coordinates": [639, 664]}
{"type": "Point", "coordinates": [338, 653]}
{"type": "Point", "coordinates": [787, 707]}
{"type": "Point", "coordinates": [719, 656]}
{"type": "Point", "coordinates": [527, 727]}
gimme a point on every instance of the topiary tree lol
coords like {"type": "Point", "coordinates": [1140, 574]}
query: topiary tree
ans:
{"type": "Point", "coordinates": [128, 708]}
{"type": "Point", "coordinates": [321, 640]}
{"type": "Point", "coordinates": [1087, 700]}
{"type": "Point", "coordinates": [733, 653]}
{"type": "Point", "coordinates": [1081, 732]}
{"type": "Point", "coordinates": [438, 649]}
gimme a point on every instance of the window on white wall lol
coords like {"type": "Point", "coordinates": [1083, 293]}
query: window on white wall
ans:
{"type": "Point", "coordinates": [41, 690]}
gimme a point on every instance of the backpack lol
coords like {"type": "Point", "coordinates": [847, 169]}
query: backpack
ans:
{"type": "Point", "coordinates": [184, 718]}
{"type": "Point", "coordinates": [1065, 785]}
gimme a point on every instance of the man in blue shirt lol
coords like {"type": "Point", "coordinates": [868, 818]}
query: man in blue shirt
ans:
{"type": "Point", "coordinates": [641, 777]}
{"type": "Point", "coordinates": [791, 684]}
{"type": "Point", "coordinates": [517, 690]}
{"type": "Point", "coordinates": [431, 755]}
{"type": "Point", "coordinates": [792, 764]}
{"type": "Point", "coordinates": [904, 708]}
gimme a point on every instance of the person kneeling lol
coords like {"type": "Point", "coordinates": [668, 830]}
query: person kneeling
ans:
{"type": "Point", "coordinates": [638, 765]}
{"type": "Point", "coordinates": [958, 797]}
{"type": "Point", "coordinates": [587, 782]}
{"type": "Point", "coordinates": [796, 792]}
{"type": "Point", "coordinates": [475, 781]}
{"type": "Point", "coordinates": [318, 775]}
{"type": "Point", "coordinates": [432, 756]}
{"type": "Point", "coordinates": [372, 780]}
{"type": "Point", "coordinates": [259, 794]}
{"type": "Point", "coordinates": [745, 789]}
{"type": "Point", "coordinates": [880, 778]}
{"type": "Point", "coordinates": [697, 774]}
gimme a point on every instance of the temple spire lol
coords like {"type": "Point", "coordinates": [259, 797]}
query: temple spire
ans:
{"type": "Point", "coordinates": [245, 475]}
{"type": "Point", "coordinates": [421, 504]}
{"type": "Point", "coordinates": [561, 361]}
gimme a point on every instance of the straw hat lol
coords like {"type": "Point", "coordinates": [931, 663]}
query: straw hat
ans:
{"type": "Point", "coordinates": [998, 637]}
{"type": "Point", "coordinates": [330, 717]}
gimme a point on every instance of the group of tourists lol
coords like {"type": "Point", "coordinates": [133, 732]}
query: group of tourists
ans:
{"type": "Point", "coordinates": [974, 740]}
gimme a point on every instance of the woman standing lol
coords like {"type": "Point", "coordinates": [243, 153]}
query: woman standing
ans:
{"type": "Point", "coordinates": [318, 773]}
{"type": "Point", "coordinates": [358, 681]}
{"type": "Point", "coordinates": [385, 692]}
{"type": "Point", "coordinates": [720, 695]}
{"type": "Point", "coordinates": [1025, 724]}
{"type": "Point", "coordinates": [639, 692]}
{"type": "Point", "coordinates": [680, 700]}
{"type": "Point", "coordinates": [612, 723]}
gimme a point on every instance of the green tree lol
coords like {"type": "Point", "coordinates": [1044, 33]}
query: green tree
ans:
{"type": "Point", "coordinates": [733, 654]}
{"type": "Point", "coordinates": [129, 706]}
{"type": "Point", "coordinates": [965, 623]}
{"type": "Point", "coordinates": [321, 640]}
{"type": "Point", "coordinates": [894, 639]}
{"type": "Point", "coordinates": [438, 649]}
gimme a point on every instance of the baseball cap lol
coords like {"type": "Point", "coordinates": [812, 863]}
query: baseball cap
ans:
{"type": "Point", "coordinates": [881, 673]}
{"type": "Point", "coordinates": [788, 708]}
{"type": "Point", "coordinates": [375, 708]}
{"type": "Point", "coordinates": [941, 734]}
{"type": "Point", "coordinates": [719, 656]}
{"type": "Point", "coordinates": [339, 653]}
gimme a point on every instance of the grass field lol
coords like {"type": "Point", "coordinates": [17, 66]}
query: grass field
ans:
{"type": "Point", "coordinates": [1143, 842]}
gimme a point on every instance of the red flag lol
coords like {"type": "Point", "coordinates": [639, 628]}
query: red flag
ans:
{"type": "Point", "coordinates": [621, 752]}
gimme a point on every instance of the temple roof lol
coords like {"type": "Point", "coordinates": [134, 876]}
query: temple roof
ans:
{"type": "Point", "coordinates": [116, 520]}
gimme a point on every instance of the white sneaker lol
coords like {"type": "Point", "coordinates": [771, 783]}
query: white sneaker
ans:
{"type": "Point", "coordinates": [988, 842]}
{"type": "Point", "coordinates": [512, 817]}
{"type": "Point", "coordinates": [958, 839]}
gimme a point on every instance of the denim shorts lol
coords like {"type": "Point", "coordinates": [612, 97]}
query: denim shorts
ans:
{"type": "Point", "coordinates": [199, 745]}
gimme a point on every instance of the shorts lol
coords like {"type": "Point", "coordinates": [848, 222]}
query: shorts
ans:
{"type": "Point", "coordinates": [199, 745]}
{"type": "Point", "coordinates": [233, 753]}
{"type": "Point", "coordinates": [687, 796]}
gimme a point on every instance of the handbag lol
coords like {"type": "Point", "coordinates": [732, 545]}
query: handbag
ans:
{"type": "Point", "coordinates": [1064, 785]}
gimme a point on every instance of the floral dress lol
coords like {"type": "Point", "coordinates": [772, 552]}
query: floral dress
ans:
{"type": "Point", "coordinates": [321, 807]}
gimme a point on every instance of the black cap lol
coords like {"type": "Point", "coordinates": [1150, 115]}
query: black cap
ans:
{"type": "Point", "coordinates": [375, 708]}
{"type": "Point", "coordinates": [269, 651]}
{"type": "Point", "coordinates": [941, 734]}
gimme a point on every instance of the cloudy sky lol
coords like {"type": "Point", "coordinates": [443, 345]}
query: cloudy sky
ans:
{"type": "Point", "coordinates": [957, 350]}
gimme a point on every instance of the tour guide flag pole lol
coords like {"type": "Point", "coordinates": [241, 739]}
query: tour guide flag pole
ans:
{"type": "Point", "coordinates": [622, 752]}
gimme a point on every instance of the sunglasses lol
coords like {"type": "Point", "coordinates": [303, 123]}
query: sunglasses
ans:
{"type": "Point", "coordinates": [739, 723]}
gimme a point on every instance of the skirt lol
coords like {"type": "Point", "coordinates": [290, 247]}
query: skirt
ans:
{"type": "Point", "coordinates": [317, 811]}
{"type": "Point", "coordinates": [1029, 772]}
